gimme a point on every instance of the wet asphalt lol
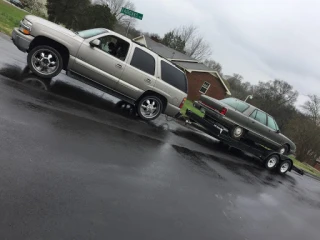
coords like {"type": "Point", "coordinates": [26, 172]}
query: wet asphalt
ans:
{"type": "Point", "coordinates": [77, 164]}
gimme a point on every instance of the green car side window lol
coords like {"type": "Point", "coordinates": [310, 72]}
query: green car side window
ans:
{"type": "Point", "coordinates": [261, 117]}
{"type": "Point", "coordinates": [253, 114]}
{"type": "Point", "coordinates": [272, 124]}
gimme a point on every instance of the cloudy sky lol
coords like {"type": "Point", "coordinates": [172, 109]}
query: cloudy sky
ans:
{"type": "Point", "coordinates": [259, 39]}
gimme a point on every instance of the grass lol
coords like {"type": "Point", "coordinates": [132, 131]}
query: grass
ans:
{"type": "Point", "coordinates": [305, 167]}
{"type": "Point", "coordinates": [10, 17]}
{"type": "Point", "coordinates": [189, 105]}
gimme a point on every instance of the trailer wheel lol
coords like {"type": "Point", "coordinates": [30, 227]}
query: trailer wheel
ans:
{"type": "Point", "coordinates": [284, 166]}
{"type": "Point", "coordinates": [237, 132]}
{"type": "Point", "coordinates": [271, 162]}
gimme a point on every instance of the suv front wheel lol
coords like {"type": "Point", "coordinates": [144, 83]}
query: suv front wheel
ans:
{"type": "Point", "coordinates": [45, 61]}
{"type": "Point", "coordinates": [149, 108]}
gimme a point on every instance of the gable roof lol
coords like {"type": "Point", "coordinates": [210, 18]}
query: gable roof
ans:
{"type": "Point", "coordinates": [184, 61]}
{"type": "Point", "coordinates": [164, 51]}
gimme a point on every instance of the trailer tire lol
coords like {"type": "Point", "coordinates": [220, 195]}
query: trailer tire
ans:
{"type": "Point", "coordinates": [284, 166]}
{"type": "Point", "coordinates": [271, 162]}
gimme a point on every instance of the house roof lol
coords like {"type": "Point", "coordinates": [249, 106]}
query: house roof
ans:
{"type": "Point", "coordinates": [184, 61]}
{"type": "Point", "coordinates": [165, 51]}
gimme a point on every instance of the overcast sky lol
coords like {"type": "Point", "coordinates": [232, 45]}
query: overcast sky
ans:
{"type": "Point", "coordinates": [259, 39]}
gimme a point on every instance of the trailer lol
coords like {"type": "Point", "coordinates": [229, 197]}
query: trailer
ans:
{"type": "Point", "coordinates": [272, 160]}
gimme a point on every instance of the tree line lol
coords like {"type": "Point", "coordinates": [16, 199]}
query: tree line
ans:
{"type": "Point", "coordinates": [278, 98]}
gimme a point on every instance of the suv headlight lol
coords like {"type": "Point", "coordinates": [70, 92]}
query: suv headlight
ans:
{"type": "Point", "coordinates": [25, 26]}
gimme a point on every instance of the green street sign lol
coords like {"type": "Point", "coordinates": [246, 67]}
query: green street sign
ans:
{"type": "Point", "coordinates": [132, 13]}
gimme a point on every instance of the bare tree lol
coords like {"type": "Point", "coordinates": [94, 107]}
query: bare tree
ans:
{"type": "Point", "coordinates": [312, 108]}
{"type": "Point", "coordinates": [213, 65]}
{"type": "Point", "coordinates": [195, 45]}
{"type": "Point", "coordinates": [116, 6]}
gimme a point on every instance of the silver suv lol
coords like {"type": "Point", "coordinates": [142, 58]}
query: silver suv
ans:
{"type": "Point", "coordinates": [106, 60]}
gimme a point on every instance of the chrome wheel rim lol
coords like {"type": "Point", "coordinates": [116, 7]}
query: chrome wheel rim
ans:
{"type": "Point", "coordinates": [284, 167]}
{"type": "Point", "coordinates": [238, 132]}
{"type": "Point", "coordinates": [35, 83]}
{"type": "Point", "coordinates": [282, 151]}
{"type": "Point", "coordinates": [45, 61]}
{"type": "Point", "coordinates": [272, 162]}
{"type": "Point", "coordinates": [150, 108]}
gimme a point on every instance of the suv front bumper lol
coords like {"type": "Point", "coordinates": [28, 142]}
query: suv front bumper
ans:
{"type": "Point", "coordinates": [21, 40]}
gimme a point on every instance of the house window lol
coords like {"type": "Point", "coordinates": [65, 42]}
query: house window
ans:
{"type": "Point", "coordinates": [205, 87]}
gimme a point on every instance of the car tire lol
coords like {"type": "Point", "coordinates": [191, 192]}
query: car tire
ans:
{"type": "Point", "coordinates": [284, 149]}
{"type": "Point", "coordinates": [45, 61]}
{"type": "Point", "coordinates": [237, 132]}
{"type": "Point", "coordinates": [149, 107]}
{"type": "Point", "coordinates": [271, 162]}
{"type": "Point", "coordinates": [284, 166]}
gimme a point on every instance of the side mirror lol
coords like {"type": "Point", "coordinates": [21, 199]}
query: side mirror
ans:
{"type": "Point", "coordinates": [95, 43]}
{"type": "Point", "coordinates": [278, 131]}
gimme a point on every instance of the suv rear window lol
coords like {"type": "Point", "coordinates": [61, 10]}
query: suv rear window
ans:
{"type": "Point", "coordinates": [236, 104]}
{"type": "Point", "coordinates": [174, 77]}
{"type": "Point", "coordinates": [143, 61]}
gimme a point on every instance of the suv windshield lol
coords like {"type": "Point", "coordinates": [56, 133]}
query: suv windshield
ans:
{"type": "Point", "coordinates": [91, 32]}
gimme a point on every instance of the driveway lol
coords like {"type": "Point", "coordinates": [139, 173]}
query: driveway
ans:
{"type": "Point", "coordinates": [73, 165]}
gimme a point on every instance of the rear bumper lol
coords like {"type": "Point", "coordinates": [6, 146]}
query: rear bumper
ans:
{"type": "Point", "coordinates": [21, 40]}
{"type": "Point", "coordinates": [171, 110]}
{"type": "Point", "coordinates": [215, 128]}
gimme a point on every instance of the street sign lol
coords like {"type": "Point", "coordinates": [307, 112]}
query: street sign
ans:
{"type": "Point", "coordinates": [132, 13]}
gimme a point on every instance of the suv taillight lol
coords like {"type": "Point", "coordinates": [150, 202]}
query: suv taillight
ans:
{"type": "Point", "coordinates": [224, 111]}
{"type": "Point", "coordinates": [182, 103]}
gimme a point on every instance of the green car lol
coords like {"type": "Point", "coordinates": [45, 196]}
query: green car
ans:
{"type": "Point", "coordinates": [244, 121]}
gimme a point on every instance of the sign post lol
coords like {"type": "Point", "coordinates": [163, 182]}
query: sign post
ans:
{"type": "Point", "coordinates": [132, 14]}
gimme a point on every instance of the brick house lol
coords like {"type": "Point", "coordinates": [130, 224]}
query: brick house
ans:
{"type": "Point", "coordinates": [201, 79]}
{"type": "Point", "coordinates": [317, 165]}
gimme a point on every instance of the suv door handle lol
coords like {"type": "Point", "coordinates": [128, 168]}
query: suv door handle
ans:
{"type": "Point", "coordinates": [118, 65]}
{"type": "Point", "coordinates": [147, 80]}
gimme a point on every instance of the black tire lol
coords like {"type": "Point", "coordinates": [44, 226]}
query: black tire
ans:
{"type": "Point", "coordinates": [236, 132]}
{"type": "Point", "coordinates": [144, 107]}
{"type": "Point", "coordinates": [271, 162]}
{"type": "Point", "coordinates": [284, 166]}
{"type": "Point", "coordinates": [284, 149]}
{"type": "Point", "coordinates": [35, 60]}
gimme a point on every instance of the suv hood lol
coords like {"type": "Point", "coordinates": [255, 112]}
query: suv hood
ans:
{"type": "Point", "coordinates": [35, 19]}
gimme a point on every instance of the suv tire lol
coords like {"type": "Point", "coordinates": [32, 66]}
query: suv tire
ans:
{"type": "Point", "coordinates": [149, 107]}
{"type": "Point", "coordinates": [45, 61]}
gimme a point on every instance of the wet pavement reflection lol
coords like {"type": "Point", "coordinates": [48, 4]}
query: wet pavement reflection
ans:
{"type": "Point", "coordinates": [80, 163]}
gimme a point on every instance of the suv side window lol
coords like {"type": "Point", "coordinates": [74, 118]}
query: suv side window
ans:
{"type": "Point", "coordinates": [114, 46]}
{"type": "Point", "coordinates": [143, 61]}
{"type": "Point", "coordinates": [174, 77]}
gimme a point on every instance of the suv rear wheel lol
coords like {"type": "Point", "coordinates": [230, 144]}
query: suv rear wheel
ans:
{"type": "Point", "coordinates": [149, 108]}
{"type": "Point", "coordinates": [45, 61]}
